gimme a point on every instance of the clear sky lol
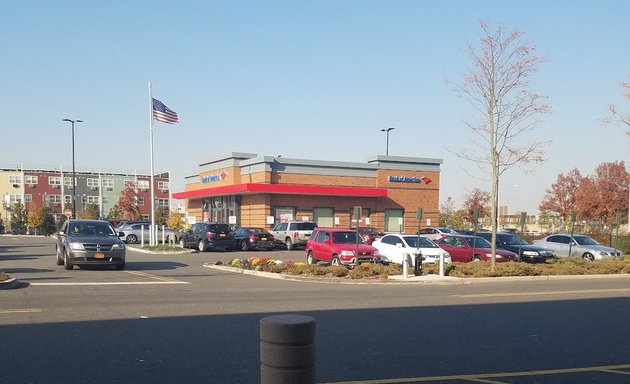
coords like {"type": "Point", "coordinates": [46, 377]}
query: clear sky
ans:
{"type": "Point", "coordinates": [301, 79]}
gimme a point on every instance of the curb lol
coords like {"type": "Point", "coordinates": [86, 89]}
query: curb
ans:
{"type": "Point", "coordinates": [9, 284]}
{"type": "Point", "coordinates": [426, 279]}
{"type": "Point", "coordinates": [140, 250]}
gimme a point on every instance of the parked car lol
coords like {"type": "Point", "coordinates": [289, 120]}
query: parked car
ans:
{"type": "Point", "coordinates": [464, 248]}
{"type": "Point", "coordinates": [369, 234]}
{"type": "Point", "coordinates": [293, 233]}
{"type": "Point", "coordinates": [394, 247]}
{"type": "Point", "coordinates": [254, 238]}
{"type": "Point", "coordinates": [528, 253]}
{"type": "Point", "coordinates": [134, 232]}
{"type": "Point", "coordinates": [434, 233]}
{"type": "Point", "coordinates": [208, 236]}
{"type": "Point", "coordinates": [89, 242]}
{"type": "Point", "coordinates": [580, 245]}
{"type": "Point", "coordinates": [339, 247]}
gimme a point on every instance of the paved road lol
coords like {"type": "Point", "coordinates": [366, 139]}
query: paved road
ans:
{"type": "Point", "coordinates": [168, 319]}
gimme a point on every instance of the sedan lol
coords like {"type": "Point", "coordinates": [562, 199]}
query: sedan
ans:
{"type": "Point", "coordinates": [253, 238]}
{"type": "Point", "coordinates": [393, 248]}
{"type": "Point", "coordinates": [132, 233]}
{"type": "Point", "coordinates": [528, 253]}
{"type": "Point", "coordinates": [464, 248]}
{"type": "Point", "coordinates": [89, 242]}
{"type": "Point", "coordinates": [434, 233]}
{"type": "Point", "coordinates": [578, 246]}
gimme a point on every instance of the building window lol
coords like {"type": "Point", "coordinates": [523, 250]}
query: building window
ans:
{"type": "Point", "coordinates": [15, 179]}
{"type": "Point", "coordinates": [53, 198]}
{"type": "Point", "coordinates": [143, 184]}
{"type": "Point", "coordinates": [67, 199]}
{"type": "Point", "coordinates": [92, 183]}
{"type": "Point", "coordinates": [28, 197]}
{"type": "Point", "coordinates": [67, 181]}
{"type": "Point", "coordinates": [130, 183]}
{"type": "Point", "coordinates": [30, 179]}
{"type": "Point", "coordinates": [364, 220]}
{"type": "Point", "coordinates": [140, 200]}
{"type": "Point", "coordinates": [163, 185]}
{"type": "Point", "coordinates": [15, 199]}
{"type": "Point", "coordinates": [145, 217]}
{"type": "Point", "coordinates": [54, 180]}
{"type": "Point", "coordinates": [282, 214]}
{"type": "Point", "coordinates": [92, 199]}
{"type": "Point", "coordinates": [394, 220]}
{"type": "Point", "coordinates": [108, 183]}
{"type": "Point", "coordinates": [105, 200]}
{"type": "Point", "coordinates": [162, 202]}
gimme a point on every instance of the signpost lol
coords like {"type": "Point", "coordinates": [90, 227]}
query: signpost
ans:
{"type": "Point", "coordinates": [357, 212]}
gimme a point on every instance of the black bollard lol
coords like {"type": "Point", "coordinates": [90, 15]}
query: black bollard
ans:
{"type": "Point", "coordinates": [417, 268]}
{"type": "Point", "coordinates": [287, 349]}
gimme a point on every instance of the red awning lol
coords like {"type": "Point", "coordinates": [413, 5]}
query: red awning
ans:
{"type": "Point", "coordinates": [249, 188]}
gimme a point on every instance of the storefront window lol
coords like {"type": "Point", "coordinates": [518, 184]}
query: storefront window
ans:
{"type": "Point", "coordinates": [394, 220]}
{"type": "Point", "coordinates": [219, 209]}
{"type": "Point", "coordinates": [364, 221]}
{"type": "Point", "coordinates": [282, 214]}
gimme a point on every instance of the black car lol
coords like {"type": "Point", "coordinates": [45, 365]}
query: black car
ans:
{"type": "Point", "coordinates": [253, 238]}
{"type": "Point", "coordinates": [208, 236]}
{"type": "Point", "coordinates": [89, 242]}
{"type": "Point", "coordinates": [528, 253]}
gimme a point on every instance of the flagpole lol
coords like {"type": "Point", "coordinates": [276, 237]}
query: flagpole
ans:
{"type": "Point", "coordinates": [152, 213]}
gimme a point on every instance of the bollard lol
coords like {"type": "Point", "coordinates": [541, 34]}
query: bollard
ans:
{"type": "Point", "coordinates": [287, 349]}
{"type": "Point", "coordinates": [441, 264]}
{"type": "Point", "coordinates": [405, 265]}
{"type": "Point", "coordinates": [417, 268]}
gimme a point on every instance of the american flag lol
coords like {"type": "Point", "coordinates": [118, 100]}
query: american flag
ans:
{"type": "Point", "coordinates": [162, 113]}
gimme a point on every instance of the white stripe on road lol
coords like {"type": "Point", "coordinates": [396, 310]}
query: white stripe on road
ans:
{"type": "Point", "coordinates": [113, 283]}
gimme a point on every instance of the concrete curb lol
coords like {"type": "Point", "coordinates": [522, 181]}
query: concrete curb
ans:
{"type": "Point", "coordinates": [425, 279]}
{"type": "Point", "coordinates": [147, 251]}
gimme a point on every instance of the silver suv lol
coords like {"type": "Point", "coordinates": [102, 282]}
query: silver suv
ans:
{"type": "Point", "coordinates": [293, 233]}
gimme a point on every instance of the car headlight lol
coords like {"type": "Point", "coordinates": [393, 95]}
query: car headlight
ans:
{"type": "Point", "coordinates": [489, 255]}
{"type": "Point", "coordinates": [376, 252]}
{"type": "Point", "coordinates": [530, 253]}
{"type": "Point", "coordinates": [77, 246]}
{"type": "Point", "coordinates": [347, 253]}
{"type": "Point", "coordinates": [117, 246]}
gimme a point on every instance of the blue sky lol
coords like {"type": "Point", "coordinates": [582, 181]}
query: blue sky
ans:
{"type": "Point", "coordinates": [313, 80]}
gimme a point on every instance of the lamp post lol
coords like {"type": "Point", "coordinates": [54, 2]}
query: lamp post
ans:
{"type": "Point", "coordinates": [386, 130]}
{"type": "Point", "coordinates": [74, 178]}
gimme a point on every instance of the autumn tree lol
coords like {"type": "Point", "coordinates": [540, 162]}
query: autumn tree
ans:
{"type": "Point", "coordinates": [476, 198]}
{"type": "Point", "coordinates": [18, 219]}
{"type": "Point", "coordinates": [560, 196]}
{"type": "Point", "coordinates": [497, 86]}
{"type": "Point", "coordinates": [175, 221]}
{"type": "Point", "coordinates": [35, 218]}
{"type": "Point", "coordinates": [92, 211]}
{"type": "Point", "coordinates": [128, 203]}
{"type": "Point", "coordinates": [603, 194]}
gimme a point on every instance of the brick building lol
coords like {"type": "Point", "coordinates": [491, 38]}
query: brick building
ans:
{"type": "Point", "coordinates": [244, 189]}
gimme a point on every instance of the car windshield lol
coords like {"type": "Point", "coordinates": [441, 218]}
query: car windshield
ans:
{"type": "Point", "coordinates": [585, 240]}
{"type": "Point", "coordinates": [91, 229]}
{"type": "Point", "coordinates": [424, 242]}
{"type": "Point", "coordinates": [346, 238]}
{"type": "Point", "coordinates": [478, 242]}
{"type": "Point", "coordinates": [255, 230]}
{"type": "Point", "coordinates": [512, 240]}
{"type": "Point", "coordinates": [306, 226]}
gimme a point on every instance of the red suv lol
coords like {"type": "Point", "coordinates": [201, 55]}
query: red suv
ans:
{"type": "Point", "coordinates": [339, 247]}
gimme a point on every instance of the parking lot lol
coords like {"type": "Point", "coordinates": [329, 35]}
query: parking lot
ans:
{"type": "Point", "coordinates": [166, 318]}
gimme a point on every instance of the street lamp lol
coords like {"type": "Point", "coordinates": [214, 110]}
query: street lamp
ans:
{"type": "Point", "coordinates": [74, 178]}
{"type": "Point", "coordinates": [386, 130]}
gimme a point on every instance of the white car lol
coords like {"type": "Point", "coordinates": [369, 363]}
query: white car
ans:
{"type": "Point", "coordinates": [435, 233]}
{"type": "Point", "coordinates": [394, 247]}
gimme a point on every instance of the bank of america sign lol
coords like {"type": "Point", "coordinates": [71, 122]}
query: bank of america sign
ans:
{"type": "Point", "coordinates": [407, 179]}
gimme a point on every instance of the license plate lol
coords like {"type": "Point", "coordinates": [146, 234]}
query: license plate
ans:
{"type": "Point", "coordinates": [263, 238]}
{"type": "Point", "coordinates": [222, 235]}
{"type": "Point", "coordinates": [99, 255]}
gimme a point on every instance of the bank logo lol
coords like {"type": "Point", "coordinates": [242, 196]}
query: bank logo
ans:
{"type": "Point", "coordinates": [407, 179]}
{"type": "Point", "coordinates": [212, 178]}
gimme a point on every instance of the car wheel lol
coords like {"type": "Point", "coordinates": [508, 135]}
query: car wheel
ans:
{"type": "Point", "coordinates": [181, 243]}
{"type": "Point", "coordinates": [67, 263]}
{"type": "Point", "coordinates": [476, 258]}
{"type": "Point", "coordinates": [132, 239]}
{"type": "Point", "coordinates": [310, 259]}
{"type": "Point", "coordinates": [244, 245]}
{"type": "Point", "coordinates": [120, 266]}
{"type": "Point", "coordinates": [289, 243]}
{"type": "Point", "coordinates": [588, 257]}
{"type": "Point", "coordinates": [201, 246]}
{"type": "Point", "coordinates": [335, 260]}
{"type": "Point", "coordinates": [59, 257]}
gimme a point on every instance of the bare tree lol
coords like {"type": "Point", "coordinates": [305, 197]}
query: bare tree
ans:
{"type": "Point", "coordinates": [497, 86]}
{"type": "Point", "coordinates": [618, 117]}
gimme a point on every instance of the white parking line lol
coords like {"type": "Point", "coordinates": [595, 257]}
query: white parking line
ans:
{"type": "Point", "coordinates": [112, 283]}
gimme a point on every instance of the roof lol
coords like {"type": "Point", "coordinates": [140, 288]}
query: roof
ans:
{"type": "Point", "coordinates": [295, 189]}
